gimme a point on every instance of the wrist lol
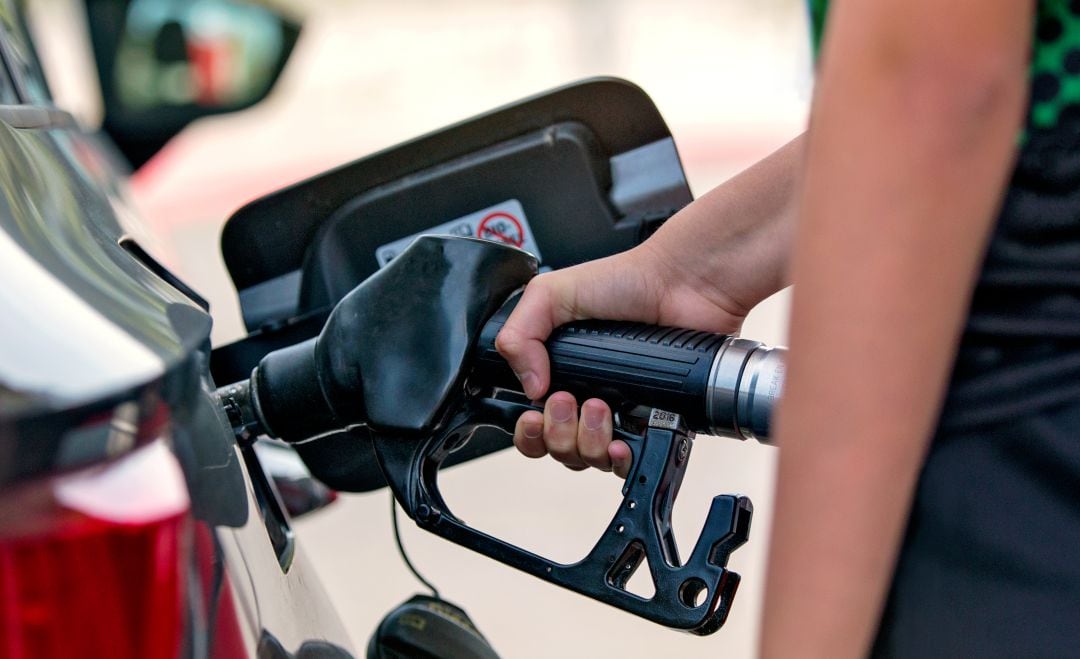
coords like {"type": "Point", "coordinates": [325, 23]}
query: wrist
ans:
{"type": "Point", "coordinates": [703, 267]}
{"type": "Point", "coordinates": [725, 252]}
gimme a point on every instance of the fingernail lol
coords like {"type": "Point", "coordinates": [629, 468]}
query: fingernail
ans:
{"type": "Point", "coordinates": [562, 410]}
{"type": "Point", "coordinates": [529, 383]}
{"type": "Point", "coordinates": [532, 430]}
{"type": "Point", "coordinates": [593, 417]}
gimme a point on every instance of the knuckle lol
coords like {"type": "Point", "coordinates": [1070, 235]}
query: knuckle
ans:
{"type": "Point", "coordinates": [595, 464]}
{"type": "Point", "coordinates": [560, 444]}
{"type": "Point", "coordinates": [602, 466]}
{"type": "Point", "coordinates": [541, 283]}
{"type": "Point", "coordinates": [528, 436]}
{"type": "Point", "coordinates": [593, 449]}
{"type": "Point", "coordinates": [568, 460]}
{"type": "Point", "coordinates": [530, 451]}
{"type": "Point", "coordinates": [507, 341]}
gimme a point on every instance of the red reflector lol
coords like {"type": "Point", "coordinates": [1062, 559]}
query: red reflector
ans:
{"type": "Point", "coordinates": [89, 567]}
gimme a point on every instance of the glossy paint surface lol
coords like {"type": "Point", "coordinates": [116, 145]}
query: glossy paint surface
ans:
{"type": "Point", "coordinates": [100, 356]}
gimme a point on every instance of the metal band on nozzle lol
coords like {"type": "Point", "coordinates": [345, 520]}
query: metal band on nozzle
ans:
{"type": "Point", "coordinates": [745, 384]}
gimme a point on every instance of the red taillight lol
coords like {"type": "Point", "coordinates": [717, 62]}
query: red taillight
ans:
{"type": "Point", "coordinates": [92, 563]}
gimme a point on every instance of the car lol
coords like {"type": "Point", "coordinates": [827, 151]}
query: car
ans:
{"type": "Point", "coordinates": [132, 524]}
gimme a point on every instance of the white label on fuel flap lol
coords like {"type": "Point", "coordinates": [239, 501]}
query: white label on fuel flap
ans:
{"type": "Point", "coordinates": [502, 223]}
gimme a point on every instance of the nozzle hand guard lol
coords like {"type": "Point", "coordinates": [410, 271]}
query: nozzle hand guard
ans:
{"type": "Point", "coordinates": [694, 596]}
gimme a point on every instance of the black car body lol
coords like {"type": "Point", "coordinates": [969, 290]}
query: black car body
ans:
{"type": "Point", "coordinates": [131, 523]}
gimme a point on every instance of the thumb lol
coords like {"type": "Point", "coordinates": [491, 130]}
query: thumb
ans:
{"type": "Point", "coordinates": [541, 309]}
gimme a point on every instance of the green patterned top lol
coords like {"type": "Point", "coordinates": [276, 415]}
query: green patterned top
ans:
{"type": "Point", "coordinates": [1055, 58]}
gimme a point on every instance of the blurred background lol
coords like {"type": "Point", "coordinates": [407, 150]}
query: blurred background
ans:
{"type": "Point", "coordinates": [731, 77]}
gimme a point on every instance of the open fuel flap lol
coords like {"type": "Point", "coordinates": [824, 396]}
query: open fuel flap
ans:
{"type": "Point", "coordinates": [570, 175]}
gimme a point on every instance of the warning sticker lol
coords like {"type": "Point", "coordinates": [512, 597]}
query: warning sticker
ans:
{"type": "Point", "coordinates": [501, 223]}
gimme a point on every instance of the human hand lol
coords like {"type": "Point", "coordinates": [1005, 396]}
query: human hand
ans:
{"type": "Point", "coordinates": [704, 269]}
{"type": "Point", "coordinates": [631, 286]}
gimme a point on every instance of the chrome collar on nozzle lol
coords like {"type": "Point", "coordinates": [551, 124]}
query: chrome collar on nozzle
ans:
{"type": "Point", "coordinates": [745, 384]}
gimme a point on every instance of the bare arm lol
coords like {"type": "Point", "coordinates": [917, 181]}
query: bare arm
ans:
{"type": "Point", "coordinates": [912, 137]}
{"type": "Point", "coordinates": [737, 238]}
{"type": "Point", "coordinates": [704, 269]}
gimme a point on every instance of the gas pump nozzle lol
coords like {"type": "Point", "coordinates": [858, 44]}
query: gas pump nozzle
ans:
{"type": "Point", "coordinates": [408, 356]}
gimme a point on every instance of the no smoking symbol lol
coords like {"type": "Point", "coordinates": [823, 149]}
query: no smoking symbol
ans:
{"type": "Point", "coordinates": [502, 227]}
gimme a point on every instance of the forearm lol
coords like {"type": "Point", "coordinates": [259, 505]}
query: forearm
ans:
{"type": "Point", "coordinates": [704, 269]}
{"type": "Point", "coordinates": [908, 152]}
{"type": "Point", "coordinates": [738, 236]}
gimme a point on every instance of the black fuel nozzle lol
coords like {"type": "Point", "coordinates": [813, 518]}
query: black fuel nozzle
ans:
{"type": "Point", "coordinates": [395, 348]}
{"type": "Point", "coordinates": [409, 355]}
{"type": "Point", "coordinates": [719, 384]}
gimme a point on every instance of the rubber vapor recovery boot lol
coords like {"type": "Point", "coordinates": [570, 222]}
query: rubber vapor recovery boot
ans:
{"type": "Point", "coordinates": [428, 628]}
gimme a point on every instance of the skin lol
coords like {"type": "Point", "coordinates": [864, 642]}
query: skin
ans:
{"type": "Point", "coordinates": [911, 140]}
{"type": "Point", "coordinates": [910, 146]}
{"type": "Point", "coordinates": [671, 279]}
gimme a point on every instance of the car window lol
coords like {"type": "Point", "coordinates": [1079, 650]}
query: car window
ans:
{"type": "Point", "coordinates": [21, 59]}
